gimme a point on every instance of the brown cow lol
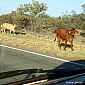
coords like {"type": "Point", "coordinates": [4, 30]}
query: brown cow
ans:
{"type": "Point", "coordinates": [66, 36]}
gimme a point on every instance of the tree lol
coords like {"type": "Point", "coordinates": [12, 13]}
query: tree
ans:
{"type": "Point", "coordinates": [33, 10]}
{"type": "Point", "coordinates": [20, 9]}
{"type": "Point", "coordinates": [36, 8]}
{"type": "Point", "coordinates": [73, 13]}
{"type": "Point", "coordinates": [83, 6]}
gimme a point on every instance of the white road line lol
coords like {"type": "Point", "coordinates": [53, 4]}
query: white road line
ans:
{"type": "Point", "coordinates": [43, 55]}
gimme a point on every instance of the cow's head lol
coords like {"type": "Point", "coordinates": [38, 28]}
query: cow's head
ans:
{"type": "Point", "coordinates": [74, 32]}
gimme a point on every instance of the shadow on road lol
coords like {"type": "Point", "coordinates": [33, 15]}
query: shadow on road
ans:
{"type": "Point", "coordinates": [68, 69]}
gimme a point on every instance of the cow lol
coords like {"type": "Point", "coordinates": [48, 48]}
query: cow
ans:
{"type": "Point", "coordinates": [66, 36]}
{"type": "Point", "coordinates": [7, 26]}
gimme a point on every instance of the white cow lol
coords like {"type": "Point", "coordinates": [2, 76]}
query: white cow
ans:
{"type": "Point", "coordinates": [7, 26]}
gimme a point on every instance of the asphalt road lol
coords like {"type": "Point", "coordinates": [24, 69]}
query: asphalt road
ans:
{"type": "Point", "coordinates": [16, 59]}
{"type": "Point", "coordinates": [11, 59]}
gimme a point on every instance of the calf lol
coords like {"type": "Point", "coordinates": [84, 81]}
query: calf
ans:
{"type": "Point", "coordinates": [66, 36]}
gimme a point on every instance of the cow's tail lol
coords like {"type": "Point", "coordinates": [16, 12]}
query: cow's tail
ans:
{"type": "Point", "coordinates": [55, 39]}
{"type": "Point", "coordinates": [54, 33]}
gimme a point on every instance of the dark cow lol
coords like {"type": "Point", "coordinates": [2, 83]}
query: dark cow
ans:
{"type": "Point", "coordinates": [66, 36]}
{"type": "Point", "coordinates": [20, 31]}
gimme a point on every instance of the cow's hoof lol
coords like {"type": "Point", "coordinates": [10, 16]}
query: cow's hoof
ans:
{"type": "Point", "coordinates": [64, 49]}
{"type": "Point", "coordinates": [72, 49]}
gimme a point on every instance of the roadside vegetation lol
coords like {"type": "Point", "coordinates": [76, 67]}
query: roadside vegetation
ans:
{"type": "Point", "coordinates": [39, 28]}
{"type": "Point", "coordinates": [45, 44]}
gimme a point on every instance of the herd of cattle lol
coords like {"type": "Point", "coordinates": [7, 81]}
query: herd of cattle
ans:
{"type": "Point", "coordinates": [66, 35]}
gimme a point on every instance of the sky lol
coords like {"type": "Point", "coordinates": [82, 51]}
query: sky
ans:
{"type": "Point", "coordinates": [55, 7]}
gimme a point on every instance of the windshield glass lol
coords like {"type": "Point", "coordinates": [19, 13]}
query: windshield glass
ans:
{"type": "Point", "coordinates": [38, 37]}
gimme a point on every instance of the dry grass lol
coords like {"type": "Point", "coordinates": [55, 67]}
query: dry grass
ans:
{"type": "Point", "coordinates": [45, 44]}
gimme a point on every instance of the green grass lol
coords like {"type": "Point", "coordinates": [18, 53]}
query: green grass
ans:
{"type": "Point", "coordinates": [45, 44]}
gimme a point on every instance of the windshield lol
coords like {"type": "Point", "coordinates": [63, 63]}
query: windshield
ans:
{"type": "Point", "coordinates": [40, 39]}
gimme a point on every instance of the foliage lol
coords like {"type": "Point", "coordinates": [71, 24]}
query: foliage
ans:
{"type": "Point", "coordinates": [36, 8]}
{"type": "Point", "coordinates": [22, 21]}
{"type": "Point", "coordinates": [83, 6]}
{"type": "Point", "coordinates": [32, 16]}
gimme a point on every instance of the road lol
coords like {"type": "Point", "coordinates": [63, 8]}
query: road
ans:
{"type": "Point", "coordinates": [18, 59]}
{"type": "Point", "coordinates": [11, 59]}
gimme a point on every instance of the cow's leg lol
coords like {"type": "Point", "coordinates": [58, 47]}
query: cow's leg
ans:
{"type": "Point", "coordinates": [58, 40]}
{"type": "Point", "coordinates": [10, 31]}
{"type": "Point", "coordinates": [4, 30]}
{"type": "Point", "coordinates": [72, 46]}
{"type": "Point", "coordinates": [65, 44]}
{"type": "Point", "coordinates": [1, 30]}
{"type": "Point", "coordinates": [55, 39]}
